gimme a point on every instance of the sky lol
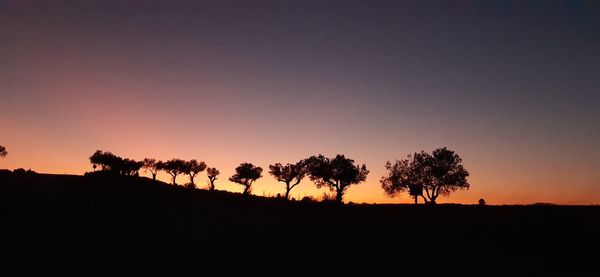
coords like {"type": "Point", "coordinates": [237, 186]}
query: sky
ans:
{"type": "Point", "coordinates": [512, 86]}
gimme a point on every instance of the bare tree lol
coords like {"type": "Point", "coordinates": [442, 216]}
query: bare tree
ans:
{"type": "Point", "coordinates": [290, 174]}
{"type": "Point", "coordinates": [337, 174]}
{"type": "Point", "coordinates": [245, 175]}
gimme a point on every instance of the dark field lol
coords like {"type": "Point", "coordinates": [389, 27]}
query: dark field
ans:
{"type": "Point", "coordinates": [92, 225]}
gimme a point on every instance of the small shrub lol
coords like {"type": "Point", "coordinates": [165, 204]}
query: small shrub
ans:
{"type": "Point", "coordinates": [190, 186]}
{"type": "Point", "coordinates": [307, 199]}
{"type": "Point", "coordinates": [22, 171]}
{"type": "Point", "coordinates": [328, 197]}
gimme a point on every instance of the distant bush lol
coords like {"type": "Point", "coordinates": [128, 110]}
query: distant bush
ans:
{"type": "Point", "coordinates": [190, 186]}
{"type": "Point", "coordinates": [307, 199]}
{"type": "Point", "coordinates": [328, 197]}
{"type": "Point", "coordinates": [22, 171]}
{"type": "Point", "coordinates": [482, 202]}
{"type": "Point", "coordinates": [543, 204]}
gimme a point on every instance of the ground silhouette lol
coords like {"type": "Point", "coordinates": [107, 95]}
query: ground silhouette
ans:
{"type": "Point", "coordinates": [107, 224]}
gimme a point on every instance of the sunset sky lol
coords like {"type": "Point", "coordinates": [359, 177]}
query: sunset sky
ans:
{"type": "Point", "coordinates": [512, 86]}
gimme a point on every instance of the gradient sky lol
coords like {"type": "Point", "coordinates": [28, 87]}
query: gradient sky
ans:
{"type": "Point", "coordinates": [512, 86]}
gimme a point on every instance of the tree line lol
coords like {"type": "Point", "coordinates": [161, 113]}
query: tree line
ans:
{"type": "Point", "coordinates": [425, 175]}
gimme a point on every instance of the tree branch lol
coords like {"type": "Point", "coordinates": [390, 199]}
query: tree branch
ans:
{"type": "Point", "coordinates": [297, 182]}
{"type": "Point", "coordinates": [437, 191]}
{"type": "Point", "coordinates": [427, 191]}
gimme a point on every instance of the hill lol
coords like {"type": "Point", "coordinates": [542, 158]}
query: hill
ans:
{"type": "Point", "coordinates": [117, 225]}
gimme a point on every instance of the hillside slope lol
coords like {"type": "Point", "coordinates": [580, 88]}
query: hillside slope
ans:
{"type": "Point", "coordinates": [128, 225]}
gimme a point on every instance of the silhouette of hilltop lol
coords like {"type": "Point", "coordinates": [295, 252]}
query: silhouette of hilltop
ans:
{"type": "Point", "coordinates": [122, 225]}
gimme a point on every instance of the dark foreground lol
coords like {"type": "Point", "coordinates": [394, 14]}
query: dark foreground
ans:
{"type": "Point", "coordinates": [99, 225]}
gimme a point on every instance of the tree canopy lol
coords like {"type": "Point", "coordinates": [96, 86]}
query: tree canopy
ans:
{"type": "Point", "coordinates": [174, 167]}
{"type": "Point", "coordinates": [192, 168]}
{"type": "Point", "coordinates": [112, 163]}
{"type": "Point", "coordinates": [426, 175]}
{"type": "Point", "coordinates": [152, 165]}
{"type": "Point", "coordinates": [447, 174]}
{"type": "Point", "coordinates": [404, 176]}
{"type": "Point", "coordinates": [290, 174]}
{"type": "Point", "coordinates": [245, 175]}
{"type": "Point", "coordinates": [337, 174]}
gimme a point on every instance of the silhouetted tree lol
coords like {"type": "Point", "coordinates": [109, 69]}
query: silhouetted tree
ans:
{"type": "Point", "coordinates": [115, 164]}
{"type": "Point", "coordinates": [130, 167]}
{"type": "Point", "coordinates": [174, 167]}
{"type": "Point", "coordinates": [482, 202]}
{"type": "Point", "coordinates": [104, 159]}
{"type": "Point", "coordinates": [3, 151]}
{"type": "Point", "coordinates": [440, 173]}
{"type": "Point", "coordinates": [446, 174]}
{"type": "Point", "coordinates": [245, 175]}
{"type": "Point", "coordinates": [337, 174]}
{"type": "Point", "coordinates": [404, 175]}
{"type": "Point", "coordinates": [192, 168]}
{"type": "Point", "coordinates": [151, 165]}
{"type": "Point", "coordinates": [290, 174]}
{"type": "Point", "coordinates": [212, 176]}
{"type": "Point", "coordinates": [160, 165]}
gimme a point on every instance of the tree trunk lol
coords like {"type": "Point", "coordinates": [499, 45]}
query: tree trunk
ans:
{"type": "Point", "coordinates": [174, 177]}
{"type": "Point", "coordinates": [192, 180]}
{"type": "Point", "coordinates": [339, 196]}
{"type": "Point", "coordinates": [154, 176]}
{"type": "Point", "coordinates": [416, 199]}
{"type": "Point", "coordinates": [287, 193]}
{"type": "Point", "coordinates": [246, 188]}
{"type": "Point", "coordinates": [212, 185]}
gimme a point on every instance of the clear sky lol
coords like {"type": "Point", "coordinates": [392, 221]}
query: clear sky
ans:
{"type": "Point", "coordinates": [512, 86]}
